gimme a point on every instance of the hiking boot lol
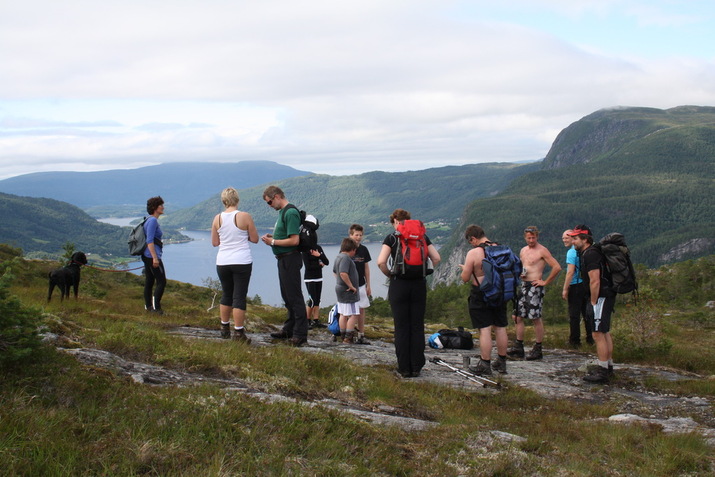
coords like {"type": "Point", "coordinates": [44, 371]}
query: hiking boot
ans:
{"type": "Point", "coordinates": [517, 351]}
{"type": "Point", "coordinates": [318, 324]}
{"type": "Point", "coordinates": [361, 340]}
{"type": "Point", "coordinates": [481, 369]}
{"type": "Point", "coordinates": [349, 337]}
{"type": "Point", "coordinates": [297, 342]}
{"type": "Point", "coordinates": [499, 365]}
{"type": "Point", "coordinates": [240, 336]}
{"type": "Point", "coordinates": [535, 353]}
{"type": "Point", "coordinates": [598, 376]}
{"type": "Point", "coordinates": [225, 331]}
{"type": "Point", "coordinates": [280, 335]}
{"type": "Point", "coordinates": [310, 324]}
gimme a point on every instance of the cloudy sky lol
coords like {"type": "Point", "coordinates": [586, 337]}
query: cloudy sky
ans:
{"type": "Point", "coordinates": [336, 87]}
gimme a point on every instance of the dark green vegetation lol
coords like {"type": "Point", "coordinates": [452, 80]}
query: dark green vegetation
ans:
{"type": "Point", "coordinates": [646, 173]}
{"type": "Point", "coordinates": [180, 184]}
{"type": "Point", "coordinates": [437, 196]}
{"type": "Point", "coordinates": [41, 227]}
{"type": "Point", "coordinates": [58, 417]}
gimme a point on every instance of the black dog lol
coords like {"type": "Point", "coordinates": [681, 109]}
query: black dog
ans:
{"type": "Point", "coordinates": [67, 276]}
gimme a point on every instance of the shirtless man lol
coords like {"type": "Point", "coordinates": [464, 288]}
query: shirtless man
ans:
{"type": "Point", "coordinates": [534, 257]}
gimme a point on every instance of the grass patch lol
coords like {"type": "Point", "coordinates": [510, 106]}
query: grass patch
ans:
{"type": "Point", "coordinates": [58, 417]}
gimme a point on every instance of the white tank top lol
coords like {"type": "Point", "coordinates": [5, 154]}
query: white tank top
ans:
{"type": "Point", "coordinates": [234, 248]}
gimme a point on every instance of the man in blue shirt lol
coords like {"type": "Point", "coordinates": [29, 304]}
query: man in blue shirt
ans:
{"type": "Point", "coordinates": [575, 293]}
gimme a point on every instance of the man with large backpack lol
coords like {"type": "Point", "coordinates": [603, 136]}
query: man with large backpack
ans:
{"type": "Point", "coordinates": [284, 241]}
{"type": "Point", "coordinates": [484, 315]}
{"type": "Point", "coordinates": [601, 301]}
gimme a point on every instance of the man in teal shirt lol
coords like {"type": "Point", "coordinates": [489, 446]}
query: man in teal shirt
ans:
{"type": "Point", "coordinates": [284, 242]}
{"type": "Point", "coordinates": [575, 293]}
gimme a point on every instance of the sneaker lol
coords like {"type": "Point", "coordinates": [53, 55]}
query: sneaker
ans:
{"type": "Point", "coordinates": [482, 368]}
{"type": "Point", "coordinates": [535, 353]}
{"type": "Point", "coordinates": [225, 331]}
{"type": "Point", "coordinates": [280, 335]}
{"type": "Point", "coordinates": [597, 376]}
{"type": "Point", "coordinates": [361, 340]}
{"type": "Point", "coordinates": [517, 351]}
{"type": "Point", "coordinates": [240, 336]}
{"type": "Point", "coordinates": [297, 342]}
{"type": "Point", "coordinates": [499, 365]}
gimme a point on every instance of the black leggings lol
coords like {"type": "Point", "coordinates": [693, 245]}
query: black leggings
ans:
{"type": "Point", "coordinates": [153, 276]}
{"type": "Point", "coordinates": [234, 283]}
{"type": "Point", "coordinates": [408, 300]}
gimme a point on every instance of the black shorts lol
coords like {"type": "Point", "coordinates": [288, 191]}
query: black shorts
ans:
{"type": "Point", "coordinates": [482, 315]}
{"type": "Point", "coordinates": [600, 314]}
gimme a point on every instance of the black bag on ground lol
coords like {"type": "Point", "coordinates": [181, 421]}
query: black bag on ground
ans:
{"type": "Point", "coordinates": [451, 339]}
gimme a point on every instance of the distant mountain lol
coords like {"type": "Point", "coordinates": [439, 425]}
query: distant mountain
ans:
{"type": "Point", "coordinates": [647, 173]}
{"type": "Point", "coordinates": [180, 184]}
{"type": "Point", "coordinates": [437, 196]}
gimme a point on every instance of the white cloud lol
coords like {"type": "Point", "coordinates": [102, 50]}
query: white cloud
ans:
{"type": "Point", "coordinates": [332, 87]}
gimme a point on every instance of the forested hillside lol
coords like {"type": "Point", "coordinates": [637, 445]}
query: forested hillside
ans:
{"type": "Point", "coordinates": [656, 186]}
{"type": "Point", "coordinates": [437, 196]}
{"type": "Point", "coordinates": [45, 225]}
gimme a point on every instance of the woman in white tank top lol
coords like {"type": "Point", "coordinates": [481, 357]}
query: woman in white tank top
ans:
{"type": "Point", "coordinates": [231, 232]}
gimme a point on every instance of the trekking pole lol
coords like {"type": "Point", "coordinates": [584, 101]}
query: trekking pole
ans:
{"type": "Point", "coordinates": [467, 374]}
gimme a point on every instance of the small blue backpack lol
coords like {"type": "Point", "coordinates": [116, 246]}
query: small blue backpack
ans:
{"type": "Point", "coordinates": [334, 321]}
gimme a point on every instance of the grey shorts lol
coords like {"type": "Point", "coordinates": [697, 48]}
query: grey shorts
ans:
{"type": "Point", "coordinates": [531, 301]}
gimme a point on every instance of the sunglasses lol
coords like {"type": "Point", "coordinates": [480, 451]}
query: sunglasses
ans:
{"type": "Point", "coordinates": [269, 202]}
{"type": "Point", "coordinates": [530, 230]}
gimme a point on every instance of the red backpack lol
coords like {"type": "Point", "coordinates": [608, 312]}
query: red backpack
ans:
{"type": "Point", "coordinates": [410, 259]}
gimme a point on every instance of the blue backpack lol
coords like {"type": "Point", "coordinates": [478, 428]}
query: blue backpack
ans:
{"type": "Point", "coordinates": [334, 321]}
{"type": "Point", "coordinates": [502, 271]}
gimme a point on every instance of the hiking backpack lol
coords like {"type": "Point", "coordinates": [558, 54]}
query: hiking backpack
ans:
{"type": "Point", "coordinates": [618, 263]}
{"type": "Point", "coordinates": [308, 230]}
{"type": "Point", "coordinates": [451, 339]}
{"type": "Point", "coordinates": [502, 274]}
{"type": "Point", "coordinates": [334, 321]}
{"type": "Point", "coordinates": [410, 260]}
{"type": "Point", "coordinates": [137, 239]}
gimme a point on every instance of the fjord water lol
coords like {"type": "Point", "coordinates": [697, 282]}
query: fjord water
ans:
{"type": "Point", "coordinates": [193, 262]}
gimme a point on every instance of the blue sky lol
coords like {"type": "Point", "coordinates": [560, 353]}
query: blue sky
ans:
{"type": "Point", "coordinates": [333, 87]}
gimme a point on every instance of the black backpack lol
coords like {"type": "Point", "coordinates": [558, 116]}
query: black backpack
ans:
{"type": "Point", "coordinates": [308, 230]}
{"type": "Point", "coordinates": [618, 263]}
{"type": "Point", "coordinates": [451, 339]}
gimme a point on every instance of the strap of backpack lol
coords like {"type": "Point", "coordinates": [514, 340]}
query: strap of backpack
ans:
{"type": "Point", "coordinates": [484, 246]}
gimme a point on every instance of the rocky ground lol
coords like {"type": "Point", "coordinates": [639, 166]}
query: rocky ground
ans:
{"type": "Point", "coordinates": [558, 375]}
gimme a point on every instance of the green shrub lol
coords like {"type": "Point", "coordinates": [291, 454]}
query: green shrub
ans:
{"type": "Point", "coordinates": [19, 337]}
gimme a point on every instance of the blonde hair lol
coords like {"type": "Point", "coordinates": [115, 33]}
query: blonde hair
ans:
{"type": "Point", "coordinates": [229, 197]}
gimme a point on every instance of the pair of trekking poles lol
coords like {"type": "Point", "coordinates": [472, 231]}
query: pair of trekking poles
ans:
{"type": "Point", "coordinates": [467, 374]}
